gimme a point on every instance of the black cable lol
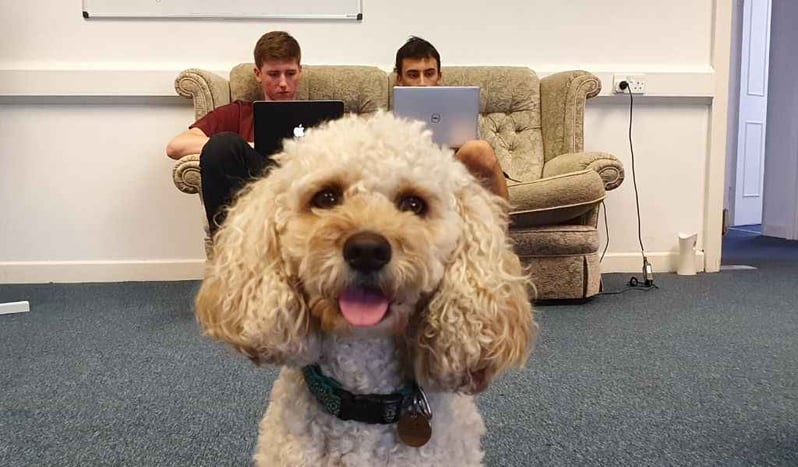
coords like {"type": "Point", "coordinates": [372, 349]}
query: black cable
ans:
{"type": "Point", "coordinates": [648, 280]}
{"type": "Point", "coordinates": [606, 231]}
{"type": "Point", "coordinates": [641, 288]}
{"type": "Point", "coordinates": [634, 176]}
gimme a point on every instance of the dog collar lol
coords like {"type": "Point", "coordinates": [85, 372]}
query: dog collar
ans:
{"type": "Point", "coordinates": [366, 408]}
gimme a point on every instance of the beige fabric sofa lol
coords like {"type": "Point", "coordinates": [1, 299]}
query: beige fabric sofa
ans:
{"type": "Point", "coordinates": [535, 126]}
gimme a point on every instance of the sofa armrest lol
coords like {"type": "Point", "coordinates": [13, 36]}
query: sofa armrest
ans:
{"type": "Point", "coordinates": [605, 164]}
{"type": "Point", "coordinates": [186, 174]}
{"type": "Point", "coordinates": [553, 200]}
{"type": "Point", "coordinates": [207, 90]}
{"type": "Point", "coordinates": [562, 108]}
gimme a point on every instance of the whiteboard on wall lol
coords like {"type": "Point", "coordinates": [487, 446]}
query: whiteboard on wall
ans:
{"type": "Point", "coordinates": [237, 9]}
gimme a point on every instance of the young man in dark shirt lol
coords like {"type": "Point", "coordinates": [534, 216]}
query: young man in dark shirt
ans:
{"type": "Point", "coordinates": [418, 63]}
{"type": "Point", "coordinates": [224, 136]}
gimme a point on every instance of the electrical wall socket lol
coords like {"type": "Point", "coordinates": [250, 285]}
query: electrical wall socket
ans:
{"type": "Point", "coordinates": [637, 83]}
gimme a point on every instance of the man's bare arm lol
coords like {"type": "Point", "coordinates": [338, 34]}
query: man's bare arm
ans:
{"type": "Point", "coordinates": [188, 142]}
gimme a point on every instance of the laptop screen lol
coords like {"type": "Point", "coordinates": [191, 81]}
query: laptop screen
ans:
{"type": "Point", "coordinates": [275, 121]}
{"type": "Point", "coordinates": [450, 112]}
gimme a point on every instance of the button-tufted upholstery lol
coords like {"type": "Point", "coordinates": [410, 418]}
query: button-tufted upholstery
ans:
{"type": "Point", "coordinates": [535, 126]}
{"type": "Point", "coordinates": [509, 115]}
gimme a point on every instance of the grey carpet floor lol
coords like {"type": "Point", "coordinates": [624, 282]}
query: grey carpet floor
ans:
{"type": "Point", "coordinates": [702, 371]}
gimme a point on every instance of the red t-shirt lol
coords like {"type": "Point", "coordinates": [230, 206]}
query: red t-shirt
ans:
{"type": "Point", "coordinates": [235, 117]}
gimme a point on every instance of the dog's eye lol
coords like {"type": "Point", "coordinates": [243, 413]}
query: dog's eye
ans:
{"type": "Point", "coordinates": [413, 204]}
{"type": "Point", "coordinates": [327, 198]}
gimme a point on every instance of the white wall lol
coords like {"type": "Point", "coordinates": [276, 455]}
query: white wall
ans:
{"type": "Point", "coordinates": [52, 34]}
{"type": "Point", "coordinates": [87, 106]}
{"type": "Point", "coordinates": [780, 213]}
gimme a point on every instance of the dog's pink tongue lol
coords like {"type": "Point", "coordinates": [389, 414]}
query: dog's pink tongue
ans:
{"type": "Point", "coordinates": [362, 307]}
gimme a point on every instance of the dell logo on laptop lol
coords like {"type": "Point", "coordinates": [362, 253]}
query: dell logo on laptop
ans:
{"type": "Point", "coordinates": [435, 118]}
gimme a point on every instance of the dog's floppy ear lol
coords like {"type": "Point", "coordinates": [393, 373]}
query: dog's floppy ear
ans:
{"type": "Point", "coordinates": [247, 297]}
{"type": "Point", "coordinates": [479, 322]}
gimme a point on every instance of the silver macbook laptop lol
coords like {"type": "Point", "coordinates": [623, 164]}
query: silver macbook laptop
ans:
{"type": "Point", "coordinates": [451, 112]}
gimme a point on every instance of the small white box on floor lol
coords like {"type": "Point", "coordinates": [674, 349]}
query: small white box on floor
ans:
{"type": "Point", "coordinates": [14, 307]}
{"type": "Point", "coordinates": [686, 266]}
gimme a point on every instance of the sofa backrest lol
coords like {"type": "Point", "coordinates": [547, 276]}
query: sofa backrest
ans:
{"type": "Point", "coordinates": [509, 120]}
{"type": "Point", "coordinates": [509, 114]}
{"type": "Point", "coordinates": [509, 111]}
{"type": "Point", "coordinates": [363, 89]}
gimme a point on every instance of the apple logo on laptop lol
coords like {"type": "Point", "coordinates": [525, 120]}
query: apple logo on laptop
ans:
{"type": "Point", "coordinates": [299, 131]}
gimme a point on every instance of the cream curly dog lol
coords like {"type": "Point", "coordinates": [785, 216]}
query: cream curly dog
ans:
{"type": "Point", "coordinates": [369, 264]}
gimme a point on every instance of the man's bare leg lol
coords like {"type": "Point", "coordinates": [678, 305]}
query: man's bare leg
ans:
{"type": "Point", "coordinates": [481, 161]}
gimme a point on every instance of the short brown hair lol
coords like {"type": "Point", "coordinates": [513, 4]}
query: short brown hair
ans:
{"type": "Point", "coordinates": [277, 45]}
{"type": "Point", "coordinates": [416, 48]}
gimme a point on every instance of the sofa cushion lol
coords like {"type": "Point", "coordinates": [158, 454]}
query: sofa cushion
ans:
{"type": "Point", "coordinates": [554, 200]}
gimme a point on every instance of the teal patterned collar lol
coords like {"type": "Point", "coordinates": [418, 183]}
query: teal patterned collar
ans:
{"type": "Point", "coordinates": [366, 408]}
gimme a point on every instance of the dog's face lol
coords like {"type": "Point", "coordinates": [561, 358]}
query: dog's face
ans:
{"type": "Point", "coordinates": [367, 226]}
{"type": "Point", "coordinates": [368, 234]}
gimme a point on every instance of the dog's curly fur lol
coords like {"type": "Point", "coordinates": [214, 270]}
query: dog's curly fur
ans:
{"type": "Point", "coordinates": [459, 310]}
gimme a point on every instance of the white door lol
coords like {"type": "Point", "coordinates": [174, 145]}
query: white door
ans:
{"type": "Point", "coordinates": [753, 112]}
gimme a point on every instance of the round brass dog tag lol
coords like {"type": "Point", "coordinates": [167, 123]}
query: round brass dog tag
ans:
{"type": "Point", "coordinates": [414, 430]}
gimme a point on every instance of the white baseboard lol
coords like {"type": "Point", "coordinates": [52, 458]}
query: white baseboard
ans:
{"type": "Point", "coordinates": [633, 262]}
{"type": "Point", "coordinates": [38, 272]}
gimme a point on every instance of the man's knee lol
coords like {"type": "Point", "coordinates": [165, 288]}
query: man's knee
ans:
{"type": "Point", "coordinates": [478, 146]}
{"type": "Point", "coordinates": [221, 150]}
{"type": "Point", "coordinates": [480, 159]}
{"type": "Point", "coordinates": [477, 153]}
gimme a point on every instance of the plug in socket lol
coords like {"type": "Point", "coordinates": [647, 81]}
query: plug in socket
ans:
{"type": "Point", "coordinates": [637, 83]}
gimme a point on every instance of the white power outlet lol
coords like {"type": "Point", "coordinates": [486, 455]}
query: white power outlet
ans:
{"type": "Point", "coordinates": [637, 83]}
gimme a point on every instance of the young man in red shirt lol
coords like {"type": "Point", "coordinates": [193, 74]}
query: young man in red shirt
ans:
{"type": "Point", "coordinates": [223, 137]}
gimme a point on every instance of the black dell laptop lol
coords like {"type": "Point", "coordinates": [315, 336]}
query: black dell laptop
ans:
{"type": "Point", "coordinates": [275, 121]}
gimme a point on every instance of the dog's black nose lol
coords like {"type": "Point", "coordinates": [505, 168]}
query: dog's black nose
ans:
{"type": "Point", "coordinates": [367, 251]}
